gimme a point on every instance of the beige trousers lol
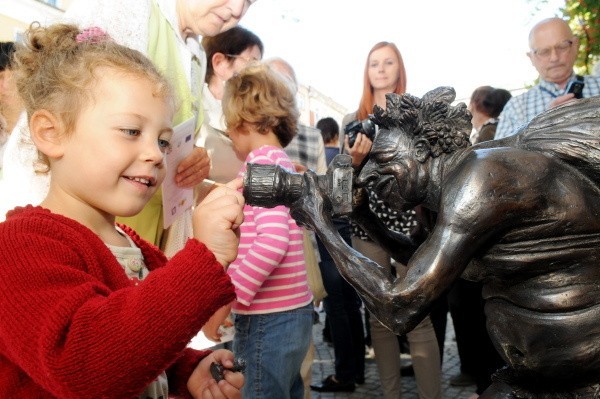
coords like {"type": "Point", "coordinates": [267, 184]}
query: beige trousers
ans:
{"type": "Point", "coordinates": [424, 349]}
{"type": "Point", "coordinates": [306, 369]}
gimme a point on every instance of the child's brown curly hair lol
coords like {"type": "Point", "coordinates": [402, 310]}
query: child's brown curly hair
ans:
{"type": "Point", "coordinates": [262, 97]}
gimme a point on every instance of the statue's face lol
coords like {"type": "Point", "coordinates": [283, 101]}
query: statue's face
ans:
{"type": "Point", "coordinates": [392, 170]}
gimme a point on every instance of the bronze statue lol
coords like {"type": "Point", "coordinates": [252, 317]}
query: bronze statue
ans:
{"type": "Point", "coordinates": [521, 214]}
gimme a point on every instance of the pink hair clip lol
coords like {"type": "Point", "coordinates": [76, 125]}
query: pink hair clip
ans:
{"type": "Point", "coordinates": [92, 34]}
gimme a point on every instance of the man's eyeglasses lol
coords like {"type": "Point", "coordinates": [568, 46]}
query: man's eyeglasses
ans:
{"type": "Point", "coordinates": [561, 48]}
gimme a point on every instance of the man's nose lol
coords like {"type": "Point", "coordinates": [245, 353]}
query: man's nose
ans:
{"type": "Point", "coordinates": [554, 54]}
{"type": "Point", "coordinates": [238, 8]}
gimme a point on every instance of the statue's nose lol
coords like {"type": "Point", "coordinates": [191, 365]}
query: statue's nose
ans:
{"type": "Point", "coordinates": [367, 174]}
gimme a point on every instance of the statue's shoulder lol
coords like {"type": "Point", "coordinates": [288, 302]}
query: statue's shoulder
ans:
{"type": "Point", "coordinates": [479, 171]}
{"type": "Point", "coordinates": [485, 160]}
{"type": "Point", "coordinates": [570, 134]}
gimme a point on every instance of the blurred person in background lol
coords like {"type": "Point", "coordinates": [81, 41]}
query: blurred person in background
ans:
{"type": "Point", "coordinates": [553, 52]}
{"type": "Point", "coordinates": [226, 53]}
{"type": "Point", "coordinates": [486, 105]}
{"type": "Point", "coordinates": [11, 104]}
{"type": "Point", "coordinates": [342, 304]}
{"type": "Point", "coordinates": [385, 73]}
{"type": "Point", "coordinates": [11, 108]}
{"type": "Point", "coordinates": [478, 357]}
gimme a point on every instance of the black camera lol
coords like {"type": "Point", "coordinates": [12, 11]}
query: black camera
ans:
{"type": "Point", "coordinates": [271, 185]}
{"type": "Point", "coordinates": [366, 127]}
{"type": "Point", "coordinates": [576, 87]}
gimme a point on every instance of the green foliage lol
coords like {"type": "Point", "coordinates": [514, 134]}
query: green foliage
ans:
{"type": "Point", "coordinates": [584, 19]}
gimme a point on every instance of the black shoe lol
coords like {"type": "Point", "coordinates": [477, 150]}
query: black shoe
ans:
{"type": "Point", "coordinates": [359, 380]}
{"type": "Point", "coordinates": [330, 385]}
{"type": "Point", "coordinates": [462, 380]}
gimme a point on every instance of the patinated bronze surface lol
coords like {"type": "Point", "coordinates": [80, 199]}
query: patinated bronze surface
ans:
{"type": "Point", "coordinates": [521, 215]}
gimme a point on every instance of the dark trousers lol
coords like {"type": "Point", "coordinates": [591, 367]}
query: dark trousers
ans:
{"type": "Point", "coordinates": [477, 354]}
{"type": "Point", "coordinates": [342, 306]}
{"type": "Point", "coordinates": [439, 319]}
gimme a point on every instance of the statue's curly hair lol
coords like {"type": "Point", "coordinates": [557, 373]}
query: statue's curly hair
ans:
{"type": "Point", "coordinates": [443, 126]}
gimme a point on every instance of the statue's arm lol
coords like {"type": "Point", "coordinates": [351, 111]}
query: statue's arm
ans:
{"type": "Point", "coordinates": [400, 246]}
{"type": "Point", "coordinates": [401, 304]}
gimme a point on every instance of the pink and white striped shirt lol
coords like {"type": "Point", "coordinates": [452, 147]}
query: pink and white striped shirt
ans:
{"type": "Point", "coordinates": [269, 273]}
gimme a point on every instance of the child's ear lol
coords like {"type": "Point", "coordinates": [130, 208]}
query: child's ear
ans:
{"type": "Point", "coordinates": [47, 133]}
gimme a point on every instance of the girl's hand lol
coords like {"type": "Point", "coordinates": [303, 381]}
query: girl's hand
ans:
{"type": "Point", "coordinates": [202, 385]}
{"type": "Point", "coordinates": [216, 221]}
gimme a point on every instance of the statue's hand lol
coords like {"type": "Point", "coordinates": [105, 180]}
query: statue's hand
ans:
{"type": "Point", "coordinates": [313, 206]}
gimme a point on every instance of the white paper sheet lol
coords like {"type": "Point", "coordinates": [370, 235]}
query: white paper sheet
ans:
{"type": "Point", "coordinates": [175, 199]}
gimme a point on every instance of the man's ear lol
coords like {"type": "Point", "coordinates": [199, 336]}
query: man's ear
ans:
{"type": "Point", "coordinates": [422, 150]}
{"type": "Point", "coordinates": [531, 57]}
{"type": "Point", "coordinates": [47, 133]}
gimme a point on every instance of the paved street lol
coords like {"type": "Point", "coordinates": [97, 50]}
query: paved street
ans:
{"type": "Point", "coordinates": [323, 366]}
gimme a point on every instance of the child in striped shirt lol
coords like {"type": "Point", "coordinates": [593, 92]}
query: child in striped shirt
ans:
{"type": "Point", "coordinates": [273, 309]}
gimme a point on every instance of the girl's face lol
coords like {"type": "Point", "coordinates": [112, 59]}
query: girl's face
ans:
{"type": "Point", "coordinates": [240, 140]}
{"type": "Point", "coordinates": [210, 17]}
{"type": "Point", "coordinates": [384, 69]}
{"type": "Point", "coordinates": [112, 162]}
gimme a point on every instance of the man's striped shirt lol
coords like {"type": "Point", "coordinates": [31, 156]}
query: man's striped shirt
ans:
{"type": "Point", "coordinates": [521, 109]}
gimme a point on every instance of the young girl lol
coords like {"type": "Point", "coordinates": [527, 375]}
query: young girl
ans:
{"type": "Point", "coordinates": [88, 309]}
{"type": "Point", "coordinates": [273, 310]}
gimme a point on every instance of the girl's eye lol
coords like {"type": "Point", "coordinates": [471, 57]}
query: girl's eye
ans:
{"type": "Point", "coordinates": [131, 132]}
{"type": "Point", "coordinates": [164, 145]}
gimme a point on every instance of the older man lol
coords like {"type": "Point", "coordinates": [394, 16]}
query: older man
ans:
{"type": "Point", "coordinates": [553, 52]}
{"type": "Point", "coordinates": [522, 213]}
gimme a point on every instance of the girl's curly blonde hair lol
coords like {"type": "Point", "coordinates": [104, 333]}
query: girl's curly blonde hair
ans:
{"type": "Point", "coordinates": [56, 68]}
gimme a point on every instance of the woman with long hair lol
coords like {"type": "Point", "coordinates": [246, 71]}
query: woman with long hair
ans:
{"type": "Point", "coordinates": [385, 73]}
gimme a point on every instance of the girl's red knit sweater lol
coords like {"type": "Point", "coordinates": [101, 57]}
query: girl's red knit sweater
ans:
{"type": "Point", "coordinates": [72, 325]}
